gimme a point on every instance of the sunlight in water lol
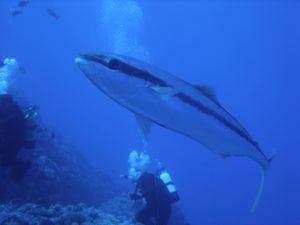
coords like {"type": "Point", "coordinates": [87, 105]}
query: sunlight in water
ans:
{"type": "Point", "coordinates": [122, 22]}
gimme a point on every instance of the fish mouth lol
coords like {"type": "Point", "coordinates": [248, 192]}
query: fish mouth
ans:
{"type": "Point", "coordinates": [95, 58]}
{"type": "Point", "coordinates": [79, 60]}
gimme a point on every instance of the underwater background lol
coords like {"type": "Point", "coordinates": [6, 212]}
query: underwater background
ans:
{"type": "Point", "coordinates": [249, 51]}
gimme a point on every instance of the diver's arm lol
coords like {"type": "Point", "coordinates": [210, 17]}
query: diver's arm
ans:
{"type": "Point", "coordinates": [136, 195]}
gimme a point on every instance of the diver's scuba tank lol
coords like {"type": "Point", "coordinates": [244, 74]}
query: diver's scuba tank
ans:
{"type": "Point", "coordinates": [166, 178]}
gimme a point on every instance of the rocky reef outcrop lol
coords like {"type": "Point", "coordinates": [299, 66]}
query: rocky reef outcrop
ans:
{"type": "Point", "coordinates": [58, 174]}
{"type": "Point", "coordinates": [58, 186]}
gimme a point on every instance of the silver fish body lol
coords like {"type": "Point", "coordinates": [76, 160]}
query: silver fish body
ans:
{"type": "Point", "coordinates": [156, 96]}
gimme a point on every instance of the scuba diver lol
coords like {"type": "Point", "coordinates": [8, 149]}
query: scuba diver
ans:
{"type": "Point", "coordinates": [157, 197]}
{"type": "Point", "coordinates": [16, 126]}
{"type": "Point", "coordinates": [18, 130]}
{"type": "Point", "coordinates": [157, 189]}
{"type": "Point", "coordinates": [12, 136]}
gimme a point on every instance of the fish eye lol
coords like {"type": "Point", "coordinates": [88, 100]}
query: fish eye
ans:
{"type": "Point", "coordinates": [113, 64]}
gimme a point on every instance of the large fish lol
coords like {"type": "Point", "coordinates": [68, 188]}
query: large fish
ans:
{"type": "Point", "coordinates": [155, 96]}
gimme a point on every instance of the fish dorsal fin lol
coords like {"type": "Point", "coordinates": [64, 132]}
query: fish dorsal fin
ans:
{"type": "Point", "coordinates": [208, 91]}
{"type": "Point", "coordinates": [164, 90]}
{"type": "Point", "coordinates": [144, 125]}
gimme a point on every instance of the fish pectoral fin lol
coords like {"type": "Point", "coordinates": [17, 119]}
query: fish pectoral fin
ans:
{"type": "Point", "coordinates": [164, 90]}
{"type": "Point", "coordinates": [208, 91]}
{"type": "Point", "coordinates": [144, 125]}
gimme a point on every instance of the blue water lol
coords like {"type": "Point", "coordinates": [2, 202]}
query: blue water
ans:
{"type": "Point", "coordinates": [248, 50]}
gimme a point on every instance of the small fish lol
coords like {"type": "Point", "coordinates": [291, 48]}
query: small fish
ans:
{"type": "Point", "coordinates": [52, 13]}
{"type": "Point", "coordinates": [16, 13]}
{"type": "Point", "coordinates": [23, 3]}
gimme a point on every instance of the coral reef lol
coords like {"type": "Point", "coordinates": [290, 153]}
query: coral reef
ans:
{"type": "Point", "coordinates": [116, 211]}
{"type": "Point", "coordinates": [59, 187]}
{"type": "Point", "coordinates": [58, 174]}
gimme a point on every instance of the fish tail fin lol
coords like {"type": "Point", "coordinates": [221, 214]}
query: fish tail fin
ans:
{"type": "Point", "coordinates": [260, 190]}
{"type": "Point", "coordinates": [262, 181]}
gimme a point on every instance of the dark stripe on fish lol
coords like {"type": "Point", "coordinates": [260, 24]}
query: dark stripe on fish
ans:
{"type": "Point", "coordinates": [198, 105]}
{"type": "Point", "coordinates": [93, 58]}
{"type": "Point", "coordinates": [135, 72]}
{"type": "Point", "coordinates": [116, 64]}
{"type": "Point", "coordinates": [130, 70]}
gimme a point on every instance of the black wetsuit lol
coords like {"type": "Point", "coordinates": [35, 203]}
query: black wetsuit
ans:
{"type": "Point", "coordinates": [12, 136]}
{"type": "Point", "coordinates": [157, 198]}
